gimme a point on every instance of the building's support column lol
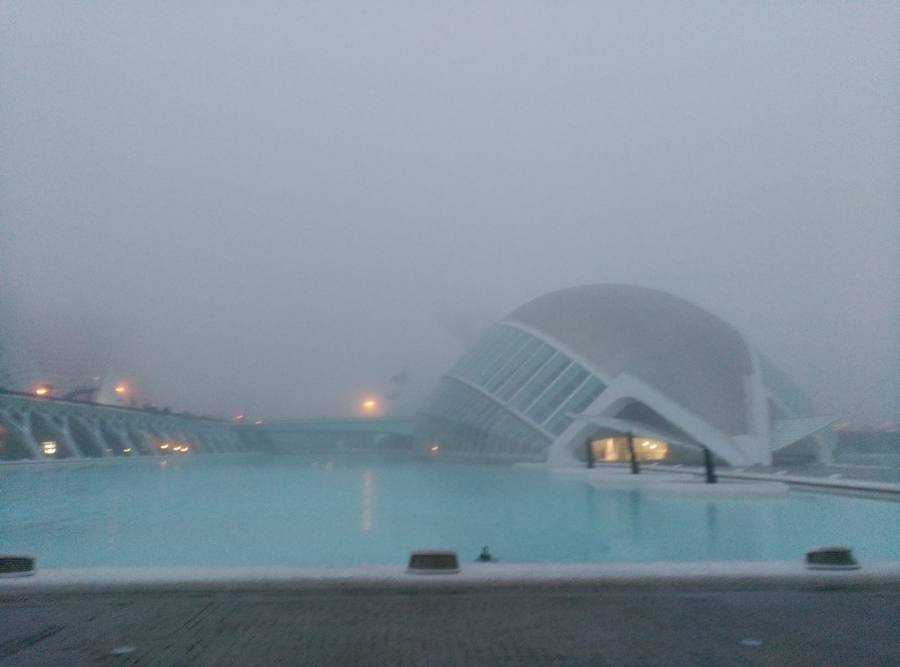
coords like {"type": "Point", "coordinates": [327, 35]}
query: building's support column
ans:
{"type": "Point", "coordinates": [182, 437]}
{"type": "Point", "coordinates": [709, 466]}
{"type": "Point", "coordinates": [133, 436]}
{"type": "Point", "coordinates": [91, 432]}
{"type": "Point", "coordinates": [169, 438]}
{"type": "Point", "coordinates": [229, 442]}
{"type": "Point", "coordinates": [189, 438]}
{"type": "Point", "coordinates": [239, 443]}
{"type": "Point", "coordinates": [95, 426]}
{"type": "Point", "coordinates": [120, 431]}
{"type": "Point", "coordinates": [185, 438]}
{"type": "Point", "coordinates": [198, 443]}
{"type": "Point", "coordinates": [143, 442]}
{"type": "Point", "coordinates": [44, 427]}
{"type": "Point", "coordinates": [824, 449]}
{"type": "Point", "coordinates": [757, 411]}
{"type": "Point", "coordinates": [172, 433]}
{"type": "Point", "coordinates": [57, 424]}
{"type": "Point", "coordinates": [21, 428]}
{"type": "Point", "coordinates": [157, 436]}
{"type": "Point", "coordinates": [211, 443]}
{"type": "Point", "coordinates": [217, 442]}
{"type": "Point", "coordinates": [632, 455]}
{"type": "Point", "coordinates": [223, 446]}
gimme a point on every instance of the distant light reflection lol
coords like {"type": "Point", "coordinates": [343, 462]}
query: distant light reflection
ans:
{"type": "Point", "coordinates": [368, 499]}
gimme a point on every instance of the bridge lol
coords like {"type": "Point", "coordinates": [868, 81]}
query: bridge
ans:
{"type": "Point", "coordinates": [44, 428]}
{"type": "Point", "coordinates": [331, 434]}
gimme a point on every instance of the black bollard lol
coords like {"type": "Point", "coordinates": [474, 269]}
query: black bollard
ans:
{"type": "Point", "coordinates": [710, 466]}
{"type": "Point", "coordinates": [589, 447]}
{"type": "Point", "coordinates": [634, 464]}
{"type": "Point", "coordinates": [485, 556]}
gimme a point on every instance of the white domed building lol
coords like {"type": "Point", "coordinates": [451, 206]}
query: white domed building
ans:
{"type": "Point", "coordinates": [600, 364]}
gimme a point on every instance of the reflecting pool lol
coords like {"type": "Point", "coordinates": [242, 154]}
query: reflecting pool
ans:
{"type": "Point", "coordinates": [291, 510]}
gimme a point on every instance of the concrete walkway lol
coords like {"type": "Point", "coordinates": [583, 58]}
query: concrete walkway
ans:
{"type": "Point", "coordinates": [433, 625]}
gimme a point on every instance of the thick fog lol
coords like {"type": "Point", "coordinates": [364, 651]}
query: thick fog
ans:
{"type": "Point", "coordinates": [274, 208]}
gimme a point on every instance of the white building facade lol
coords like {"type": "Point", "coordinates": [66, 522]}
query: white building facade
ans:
{"type": "Point", "coordinates": [602, 364]}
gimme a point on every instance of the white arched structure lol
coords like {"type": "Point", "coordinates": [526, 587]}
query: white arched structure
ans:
{"type": "Point", "coordinates": [580, 360]}
{"type": "Point", "coordinates": [43, 429]}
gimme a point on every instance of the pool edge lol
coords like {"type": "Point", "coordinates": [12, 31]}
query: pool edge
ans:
{"type": "Point", "coordinates": [481, 576]}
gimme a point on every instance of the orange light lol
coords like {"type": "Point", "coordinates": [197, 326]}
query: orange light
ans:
{"type": "Point", "coordinates": [435, 447]}
{"type": "Point", "coordinates": [121, 389]}
{"type": "Point", "coordinates": [239, 418]}
{"type": "Point", "coordinates": [41, 391]}
{"type": "Point", "coordinates": [369, 405]}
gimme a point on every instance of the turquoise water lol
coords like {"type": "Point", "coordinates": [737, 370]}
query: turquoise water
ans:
{"type": "Point", "coordinates": [259, 510]}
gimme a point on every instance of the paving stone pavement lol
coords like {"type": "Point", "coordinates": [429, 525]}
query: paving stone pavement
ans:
{"type": "Point", "coordinates": [537, 625]}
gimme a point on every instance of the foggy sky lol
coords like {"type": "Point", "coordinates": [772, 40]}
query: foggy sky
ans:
{"type": "Point", "coordinates": [274, 207]}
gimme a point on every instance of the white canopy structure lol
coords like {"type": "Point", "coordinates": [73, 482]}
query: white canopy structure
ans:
{"type": "Point", "coordinates": [594, 359]}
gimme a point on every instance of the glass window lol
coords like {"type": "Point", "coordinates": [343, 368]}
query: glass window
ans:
{"type": "Point", "coordinates": [525, 371]}
{"type": "Point", "coordinates": [529, 345]}
{"type": "Point", "coordinates": [542, 379]}
{"type": "Point", "coordinates": [557, 393]}
{"type": "Point", "coordinates": [486, 352]}
{"type": "Point", "coordinates": [506, 358]}
{"type": "Point", "coordinates": [499, 353]}
{"type": "Point", "coordinates": [580, 400]}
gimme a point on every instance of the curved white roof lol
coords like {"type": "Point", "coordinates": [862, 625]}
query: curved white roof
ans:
{"type": "Point", "coordinates": [680, 349]}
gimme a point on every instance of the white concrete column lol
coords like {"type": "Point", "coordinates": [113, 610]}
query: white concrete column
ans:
{"type": "Point", "coordinates": [60, 427]}
{"type": "Point", "coordinates": [93, 435]}
{"type": "Point", "coordinates": [21, 428]}
{"type": "Point", "coordinates": [143, 436]}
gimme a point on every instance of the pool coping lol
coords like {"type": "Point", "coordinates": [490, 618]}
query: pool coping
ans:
{"type": "Point", "coordinates": [837, 486]}
{"type": "Point", "coordinates": [757, 575]}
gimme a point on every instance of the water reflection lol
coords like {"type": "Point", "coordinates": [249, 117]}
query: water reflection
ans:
{"type": "Point", "coordinates": [634, 514]}
{"type": "Point", "coordinates": [368, 499]}
{"type": "Point", "coordinates": [712, 526]}
{"type": "Point", "coordinates": [283, 510]}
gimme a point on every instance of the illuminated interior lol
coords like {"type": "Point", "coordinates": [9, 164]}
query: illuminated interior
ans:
{"type": "Point", "coordinates": [616, 449]}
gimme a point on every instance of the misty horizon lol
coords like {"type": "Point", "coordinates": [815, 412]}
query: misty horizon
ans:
{"type": "Point", "coordinates": [274, 211]}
